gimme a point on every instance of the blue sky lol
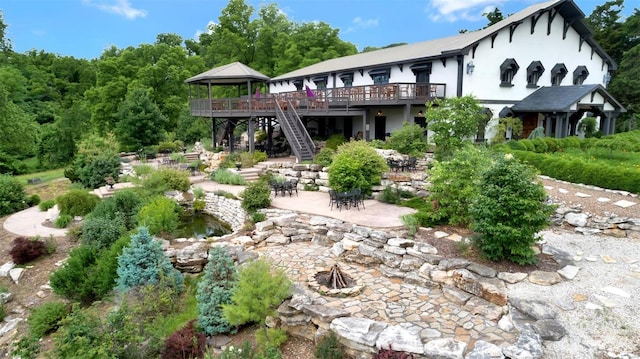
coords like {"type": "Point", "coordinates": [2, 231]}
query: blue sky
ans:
{"type": "Point", "coordinates": [84, 28]}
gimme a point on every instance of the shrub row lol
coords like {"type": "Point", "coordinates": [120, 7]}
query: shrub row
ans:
{"type": "Point", "coordinates": [579, 171]}
{"type": "Point", "coordinates": [627, 142]}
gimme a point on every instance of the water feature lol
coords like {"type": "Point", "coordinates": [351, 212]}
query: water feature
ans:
{"type": "Point", "coordinates": [200, 225]}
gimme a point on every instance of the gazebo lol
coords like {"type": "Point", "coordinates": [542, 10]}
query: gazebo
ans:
{"type": "Point", "coordinates": [233, 74]}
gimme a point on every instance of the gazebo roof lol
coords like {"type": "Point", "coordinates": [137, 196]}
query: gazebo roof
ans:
{"type": "Point", "coordinates": [230, 74]}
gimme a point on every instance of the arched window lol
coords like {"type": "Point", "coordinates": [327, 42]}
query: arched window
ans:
{"type": "Point", "coordinates": [508, 70]}
{"type": "Point", "coordinates": [558, 72]}
{"type": "Point", "coordinates": [580, 74]}
{"type": "Point", "coordinates": [534, 72]}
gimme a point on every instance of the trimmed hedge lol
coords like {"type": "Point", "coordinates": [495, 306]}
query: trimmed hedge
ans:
{"type": "Point", "coordinates": [579, 171]}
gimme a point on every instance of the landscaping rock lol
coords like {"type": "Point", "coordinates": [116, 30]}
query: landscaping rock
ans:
{"type": "Point", "coordinates": [400, 339]}
{"type": "Point", "coordinates": [485, 350]}
{"type": "Point", "coordinates": [446, 348]}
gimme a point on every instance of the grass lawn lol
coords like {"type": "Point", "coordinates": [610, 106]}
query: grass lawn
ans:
{"type": "Point", "coordinates": [44, 176]}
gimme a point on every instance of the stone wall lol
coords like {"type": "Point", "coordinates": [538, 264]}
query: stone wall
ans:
{"type": "Point", "coordinates": [226, 209]}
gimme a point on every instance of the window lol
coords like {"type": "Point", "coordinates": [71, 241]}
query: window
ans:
{"type": "Point", "coordinates": [347, 79]}
{"type": "Point", "coordinates": [321, 82]}
{"type": "Point", "coordinates": [298, 84]}
{"type": "Point", "coordinates": [534, 71]}
{"type": "Point", "coordinates": [558, 72]}
{"type": "Point", "coordinates": [508, 70]}
{"type": "Point", "coordinates": [380, 76]}
{"type": "Point", "coordinates": [580, 74]}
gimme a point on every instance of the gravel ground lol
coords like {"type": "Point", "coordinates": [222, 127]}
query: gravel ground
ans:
{"type": "Point", "coordinates": [599, 307]}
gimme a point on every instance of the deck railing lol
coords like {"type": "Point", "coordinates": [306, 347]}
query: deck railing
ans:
{"type": "Point", "coordinates": [335, 98]}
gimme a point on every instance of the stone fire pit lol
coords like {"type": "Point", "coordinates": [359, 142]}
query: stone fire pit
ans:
{"type": "Point", "coordinates": [335, 283]}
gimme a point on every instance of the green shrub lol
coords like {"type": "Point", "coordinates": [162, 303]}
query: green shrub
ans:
{"type": "Point", "coordinates": [71, 174]}
{"type": "Point", "coordinates": [12, 195]}
{"type": "Point", "coordinates": [588, 126]}
{"type": "Point", "coordinates": [224, 176]}
{"type": "Point", "coordinates": [569, 142]}
{"type": "Point", "coordinates": [508, 211]}
{"type": "Point", "coordinates": [258, 217]}
{"type": "Point", "coordinates": [256, 195]}
{"type": "Point", "coordinates": [335, 141]}
{"type": "Point", "coordinates": [539, 145]}
{"type": "Point", "coordinates": [528, 145]}
{"type": "Point", "coordinates": [28, 347]}
{"type": "Point", "coordinates": [409, 140]}
{"type": "Point", "coordinates": [101, 232]}
{"type": "Point", "coordinates": [389, 195]}
{"type": "Point", "coordinates": [166, 179]}
{"type": "Point", "coordinates": [33, 200]}
{"type": "Point", "coordinates": [46, 318]}
{"type": "Point", "coordinates": [229, 161]}
{"type": "Point", "coordinates": [142, 169]}
{"type": "Point", "coordinates": [411, 222]}
{"type": "Point", "coordinates": [63, 221]}
{"type": "Point", "coordinates": [259, 292]}
{"type": "Point", "coordinates": [71, 280]}
{"type": "Point", "coordinates": [329, 347]}
{"type": "Point", "coordinates": [225, 194]}
{"type": "Point", "coordinates": [93, 173]}
{"type": "Point", "coordinates": [356, 165]}
{"type": "Point", "coordinates": [552, 144]}
{"type": "Point", "coordinates": [376, 143]}
{"type": "Point", "coordinates": [170, 146]}
{"type": "Point", "coordinates": [160, 215]}
{"type": "Point", "coordinates": [46, 205]}
{"type": "Point", "coordinates": [77, 202]}
{"type": "Point", "coordinates": [105, 270]}
{"type": "Point", "coordinates": [516, 145]}
{"type": "Point", "coordinates": [324, 157]}
{"type": "Point", "coordinates": [144, 262]}
{"type": "Point", "coordinates": [455, 183]}
{"type": "Point", "coordinates": [259, 156]}
{"type": "Point", "coordinates": [214, 290]}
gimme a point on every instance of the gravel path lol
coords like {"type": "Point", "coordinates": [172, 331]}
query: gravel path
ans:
{"type": "Point", "coordinates": [600, 307]}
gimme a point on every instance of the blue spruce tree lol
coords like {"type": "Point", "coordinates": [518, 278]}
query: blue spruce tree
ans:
{"type": "Point", "coordinates": [214, 290]}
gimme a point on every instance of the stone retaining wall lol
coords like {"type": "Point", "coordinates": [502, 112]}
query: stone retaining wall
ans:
{"type": "Point", "coordinates": [226, 209]}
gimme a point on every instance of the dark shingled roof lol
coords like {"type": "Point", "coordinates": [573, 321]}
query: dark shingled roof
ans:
{"type": "Point", "coordinates": [560, 98]}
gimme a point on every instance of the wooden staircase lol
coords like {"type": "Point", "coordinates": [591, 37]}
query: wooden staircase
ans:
{"type": "Point", "coordinates": [300, 141]}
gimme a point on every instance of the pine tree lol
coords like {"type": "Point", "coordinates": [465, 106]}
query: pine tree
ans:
{"type": "Point", "coordinates": [144, 262]}
{"type": "Point", "coordinates": [214, 290]}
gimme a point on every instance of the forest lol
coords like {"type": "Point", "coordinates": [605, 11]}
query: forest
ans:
{"type": "Point", "coordinates": [50, 102]}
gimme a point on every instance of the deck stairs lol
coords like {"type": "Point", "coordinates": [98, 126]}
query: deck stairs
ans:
{"type": "Point", "coordinates": [300, 141]}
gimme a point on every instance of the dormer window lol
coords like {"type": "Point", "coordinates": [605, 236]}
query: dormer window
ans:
{"type": "Point", "coordinates": [580, 74]}
{"type": "Point", "coordinates": [508, 70]}
{"type": "Point", "coordinates": [298, 84]}
{"type": "Point", "coordinates": [534, 72]}
{"type": "Point", "coordinates": [347, 79]}
{"type": "Point", "coordinates": [558, 72]}
{"type": "Point", "coordinates": [321, 82]}
{"type": "Point", "coordinates": [380, 76]}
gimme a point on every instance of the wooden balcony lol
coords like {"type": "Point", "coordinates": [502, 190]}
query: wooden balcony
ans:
{"type": "Point", "coordinates": [335, 100]}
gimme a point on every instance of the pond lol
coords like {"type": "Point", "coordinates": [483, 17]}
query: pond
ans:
{"type": "Point", "coordinates": [200, 225]}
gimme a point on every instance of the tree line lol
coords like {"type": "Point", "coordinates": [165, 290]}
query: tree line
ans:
{"type": "Point", "coordinates": [49, 102]}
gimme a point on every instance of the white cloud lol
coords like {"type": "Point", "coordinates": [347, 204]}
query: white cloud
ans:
{"type": "Point", "coordinates": [454, 10]}
{"type": "Point", "coordinates": [118, 7]}
{"type": "Point", "coordinates": [359, 23]}
{"type": "Point", "coordinates": [210, 26]}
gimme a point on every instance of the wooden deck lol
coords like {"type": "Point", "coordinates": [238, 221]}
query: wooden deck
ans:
{"type": "Point", "coordinates": [334, 101]}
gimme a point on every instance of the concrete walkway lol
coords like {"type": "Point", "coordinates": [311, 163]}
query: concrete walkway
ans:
{"type": "Point", "coordinates": [28, 223]}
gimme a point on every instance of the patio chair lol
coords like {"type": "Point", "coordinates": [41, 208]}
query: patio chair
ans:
{"type": "Point", "coordinates": [357, 198]}
{"type": "Point", "coordinates": [333, 199]}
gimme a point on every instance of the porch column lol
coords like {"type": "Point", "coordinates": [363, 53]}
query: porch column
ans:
{"type": "Point", "coordinates": [547, 126]}
{"type": "Point", "coordinates": [558, 126]}
{"type": "Point", "coordinates": [269, 136]}
{"type": "Point", "coordinates": [251, 134]}
{"type": "Point", "coordinates": [366, 125]}
{"type": "Point", "coordinates": [407, 113]}
{"type": "Point", "coordinates": [213, 132]}
{"type": "Point", "coordinates": [612, 124]}
{"type": "Point", "coordinates": [604, 124]}
{"type": "Point", "coordinates": [231, 125]}
{"type": "Point", "coordinates": [565, 125]}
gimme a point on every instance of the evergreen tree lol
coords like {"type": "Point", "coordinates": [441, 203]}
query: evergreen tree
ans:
{"type": "Point", "coordinates": [140, 122]}
{"type": "Point", "coordinates": [259, 292]}
{"type": "Point", "coordinates": [144, 262]}
{"type": "Point", "coordinates": [214, 290]}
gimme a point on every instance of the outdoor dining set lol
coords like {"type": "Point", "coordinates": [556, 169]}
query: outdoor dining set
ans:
{"type": "Point", "coordinates": [408, 164]}
{"type": "Point", "coordinates": [353, 198]}
{"type": "Point", "coordinates": [284, 187]}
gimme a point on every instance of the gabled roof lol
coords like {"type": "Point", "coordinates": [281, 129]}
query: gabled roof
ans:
{"type": "Point", "coordinates": [233, 73]}
{"type": "Point", "coordinates": [561, 98]}
{"type": "Point", "coordinates": [449, 46]}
